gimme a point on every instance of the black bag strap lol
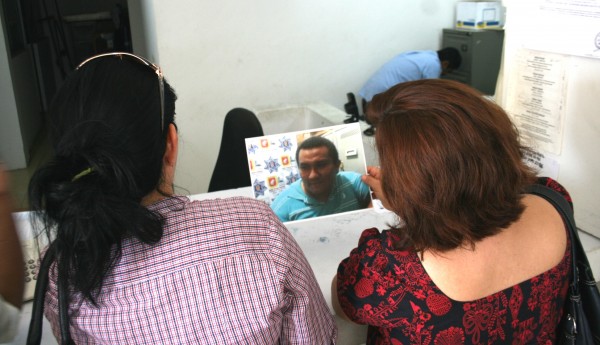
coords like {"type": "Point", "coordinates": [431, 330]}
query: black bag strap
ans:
{"type": "Point", "coordinates": [34, 335]}
{"type": "Point", "coordinates": [580, 326]}
{"type": "Point", "coordinates": [566, 211]}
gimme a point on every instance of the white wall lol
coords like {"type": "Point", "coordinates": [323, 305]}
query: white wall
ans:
{"type": "Point", "coordinates": [143, 32]}
{"type": "Point", "coordinates": [578, 161]}
{"type": "Point", "coordinates": [223, 54]}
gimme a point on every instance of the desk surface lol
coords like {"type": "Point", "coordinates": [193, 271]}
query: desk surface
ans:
{"type": "Point", "coordinates": [325, 242]}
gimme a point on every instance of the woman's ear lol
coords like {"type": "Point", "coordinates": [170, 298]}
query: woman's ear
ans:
{"type": "Point", "coordinates": [172, 148]}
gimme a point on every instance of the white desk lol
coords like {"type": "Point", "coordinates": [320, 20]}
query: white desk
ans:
{"type": "Point", "coordinates": [325, 242]}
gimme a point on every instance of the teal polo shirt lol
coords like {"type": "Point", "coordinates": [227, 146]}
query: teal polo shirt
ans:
{"type": "Point", "coordinates": [349, 193]}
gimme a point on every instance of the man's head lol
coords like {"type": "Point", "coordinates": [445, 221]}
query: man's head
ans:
{"type": "Point", "coordinates": [319, 163]}
{"type": "Point", "coordinates": [450, 59]}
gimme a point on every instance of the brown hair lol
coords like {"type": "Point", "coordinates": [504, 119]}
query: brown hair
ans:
{"type": "Point", "coordinates": [451, 161]}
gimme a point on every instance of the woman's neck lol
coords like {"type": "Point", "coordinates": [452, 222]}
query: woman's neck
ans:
{"type": "Point", "coordinates": [157, 195]}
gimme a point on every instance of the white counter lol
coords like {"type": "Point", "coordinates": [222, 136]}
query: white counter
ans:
{"type": "Point", "coordinates": [325, 242]}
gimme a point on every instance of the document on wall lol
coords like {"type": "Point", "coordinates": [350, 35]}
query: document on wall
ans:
{"type": "Point", "coordinates": [536, 98]}
{"type": "Point", "coordinates": [544, 164]}
{"type": "Point", "coordinates": [567, 27]}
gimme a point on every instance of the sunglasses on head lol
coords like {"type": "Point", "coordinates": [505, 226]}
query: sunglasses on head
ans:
{"type": "Point", "coordinates": [143, 61]}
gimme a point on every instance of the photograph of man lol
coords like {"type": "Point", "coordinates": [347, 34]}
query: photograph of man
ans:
{"type": "Point", "coordinates": [322, 189]}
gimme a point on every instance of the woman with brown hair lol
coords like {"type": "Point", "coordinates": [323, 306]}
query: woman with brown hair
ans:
{"type": "Point", "coordinates": [473, 258]}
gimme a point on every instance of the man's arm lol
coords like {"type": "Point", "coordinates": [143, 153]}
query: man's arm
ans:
{"type": "Point", "coordinates": [11, 261]}
{"type": "Point", "coordinates": [361, 190]}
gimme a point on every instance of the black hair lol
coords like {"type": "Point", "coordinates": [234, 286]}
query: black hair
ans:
{"type": "Point", "coordinates": [318, 141]}
{"type": "Point", "coordinates": [105, 126]}
{"type": "Point", "coordinates": [452, 55]}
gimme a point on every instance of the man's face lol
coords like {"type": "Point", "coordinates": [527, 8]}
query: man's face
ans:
{"type": "Point", "coordinates": [318, 172]}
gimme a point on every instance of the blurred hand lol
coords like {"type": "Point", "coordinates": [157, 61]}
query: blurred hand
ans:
{"type": "Point", "coordinates": [373, 180]}
{"type": "Point", "coordinates": [11, 266]}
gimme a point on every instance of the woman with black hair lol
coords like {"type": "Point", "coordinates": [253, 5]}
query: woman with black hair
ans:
{"type": "Point", "coordinates": [131, 262]}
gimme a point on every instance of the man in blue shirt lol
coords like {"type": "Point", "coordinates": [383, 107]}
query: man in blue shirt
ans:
{"type": "Point", "coordinates": [409, 66]}
{"type": "Point", "coordinates": [322, 189]}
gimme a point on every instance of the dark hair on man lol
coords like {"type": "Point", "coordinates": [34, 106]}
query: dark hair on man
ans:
{"type": "Point", "coordinates": [451, 162]}
{"type": "Point", "coordinates": [105, 127]}
{"type": "Point", "coordinates": [452, 55]}
{"type": "Point", "coordinates": [316, 141]}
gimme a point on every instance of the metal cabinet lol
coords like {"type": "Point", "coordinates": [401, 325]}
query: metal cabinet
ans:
{"type": "Point", "coordinates": [481, 53]}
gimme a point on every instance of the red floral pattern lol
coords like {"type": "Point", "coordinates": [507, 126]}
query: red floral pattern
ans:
{"type": "Point", "coordinates": [390, 291]}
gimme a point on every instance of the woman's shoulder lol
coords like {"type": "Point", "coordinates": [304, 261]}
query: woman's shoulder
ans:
{"type": "Point", "coordinates": [376, 253]}
{"type": "Point", "coordinates": [533, 244]}
{"type": "Point", "coordinates": [556, 186]}
{"type": "Point", "coordinates": [349, 175]}
{"type": "Point", "coordinates": [240, 205]}
{"type": "Point", "coordinates": [214, 217]}
{"type": "Point", "coordinates": [373, 237]}
{"type": "Point", "coordinates": [184, 207]}
{"type": "Point", "coordinates": [388, 239]}
{"type": "Point", "coordinates": [199, 230]}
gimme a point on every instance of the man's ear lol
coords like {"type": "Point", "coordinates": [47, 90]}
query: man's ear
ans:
{"type": "Point", "coordinates": [172, 147]}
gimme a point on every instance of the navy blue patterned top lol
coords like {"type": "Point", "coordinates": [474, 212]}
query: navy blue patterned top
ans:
{"type": "Point", "coordinates": [389, 290]}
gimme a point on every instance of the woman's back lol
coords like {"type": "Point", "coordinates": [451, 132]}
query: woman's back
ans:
{"type": "Point", "coordinates": [225, 272]}
{"type": "Point", "coordinates": [532, 245]}
{"type": "Point", "coordinates": [134, 263]}
{"type": "Point", "coordinates": [462, 303]}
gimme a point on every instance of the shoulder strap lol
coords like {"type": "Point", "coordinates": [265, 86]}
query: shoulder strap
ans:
{"type": "Point", "coordinates": [34, 336]}
{"type": "Point", "coordinates": [557, 200]}
{"type": "Point", "coordinates": [563, 207]}
{"type": "Point", "coordinates": [565, 210]}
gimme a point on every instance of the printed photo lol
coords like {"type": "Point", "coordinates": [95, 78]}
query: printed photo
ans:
{"type": "Point", "coordinates": [310, 173]}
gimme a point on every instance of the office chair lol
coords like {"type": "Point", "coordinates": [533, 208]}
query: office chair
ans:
{"type": "Point", "coordinates": [351, 108]}
{"type": "Point", "coordinates": [231, 170]}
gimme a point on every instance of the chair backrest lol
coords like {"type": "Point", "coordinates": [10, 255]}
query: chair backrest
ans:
{"type": "Point", "coordinates": [231, 170]}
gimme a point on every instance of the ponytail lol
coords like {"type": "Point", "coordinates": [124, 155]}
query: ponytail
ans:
{"type": "Point", "coordinates": [90, 214]}
{"type": "Point", "coordinates": [104, 127]}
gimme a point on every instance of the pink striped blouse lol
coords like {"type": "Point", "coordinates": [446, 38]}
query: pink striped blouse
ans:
{"type": "Point", "coordinates": [226, 271]}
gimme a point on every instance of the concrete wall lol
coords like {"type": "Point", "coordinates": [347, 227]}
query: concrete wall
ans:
{"type": "Point", "coordinates": [222, 54]}
{"type": "Point", "coordinates": [578, 160]}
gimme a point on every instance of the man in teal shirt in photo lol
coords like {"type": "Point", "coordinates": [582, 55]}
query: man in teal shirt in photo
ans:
{"type": "Point", "coordinates": [322, 189]}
